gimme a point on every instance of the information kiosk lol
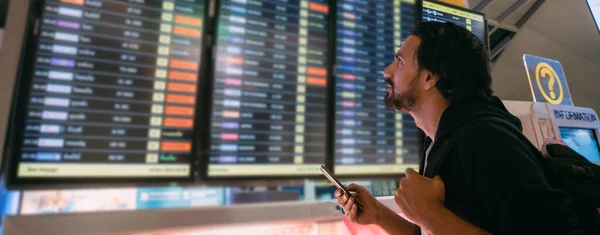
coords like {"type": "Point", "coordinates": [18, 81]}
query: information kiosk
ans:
{"type": "Point", "coordinates": [553, 117]}
{"type": "Point", "coordinates": [576, 126]}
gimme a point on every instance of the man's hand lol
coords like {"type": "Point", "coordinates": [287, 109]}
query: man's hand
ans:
{"type": "Point", "coordinates": [418, 197]}
{"type": "Point", "coordinates": [370, 206]}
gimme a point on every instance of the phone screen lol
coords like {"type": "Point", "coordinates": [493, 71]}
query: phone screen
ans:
{"type": "Point", "coordinates": [339, 185]}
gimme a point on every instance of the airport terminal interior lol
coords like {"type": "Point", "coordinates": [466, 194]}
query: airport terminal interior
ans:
{"type": "Point", "coordinates": [181, 117]}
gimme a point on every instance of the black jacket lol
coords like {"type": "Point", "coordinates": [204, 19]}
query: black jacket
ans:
{"type": "Point", "coordinates": [492, 176]}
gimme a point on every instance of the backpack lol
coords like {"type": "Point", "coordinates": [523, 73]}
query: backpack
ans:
{"type": "Point", "coordinates": [573, 173]}
{"type": "Point", "coordinates": [564, 168]}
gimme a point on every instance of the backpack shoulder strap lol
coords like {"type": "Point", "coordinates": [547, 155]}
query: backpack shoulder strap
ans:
{"type": "Point", "coordinates": [436, 159]}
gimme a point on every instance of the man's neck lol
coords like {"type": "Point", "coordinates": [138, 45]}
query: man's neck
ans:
{"type": "Point", "coordinates": [428, 114]}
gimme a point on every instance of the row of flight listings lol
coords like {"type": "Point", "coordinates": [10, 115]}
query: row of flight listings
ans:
{"type": "Point", "coordinates": [113, 92]}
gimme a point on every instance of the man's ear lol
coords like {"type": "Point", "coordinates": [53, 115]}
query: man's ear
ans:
{"type": "Point", "coordinates": [431, 80]}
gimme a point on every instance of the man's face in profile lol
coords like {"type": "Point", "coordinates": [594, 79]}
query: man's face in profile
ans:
{"type": "Point", "coordinates": [402, 77]}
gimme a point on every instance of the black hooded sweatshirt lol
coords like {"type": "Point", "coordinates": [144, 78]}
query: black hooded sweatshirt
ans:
{"type": "Point", "coordinates": [492, 177]}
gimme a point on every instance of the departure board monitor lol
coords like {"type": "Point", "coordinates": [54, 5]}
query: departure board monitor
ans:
{"type": "Point", "coordinates": [442, 12]}
{"type": "Point", "coordinates": [369, 138]}
{"type": "Point", "coordinates": [111, 92]}
{"type": "Point", "coordinates": [594, 6]}
{"type": "Point", "coordinates": [269, 109]}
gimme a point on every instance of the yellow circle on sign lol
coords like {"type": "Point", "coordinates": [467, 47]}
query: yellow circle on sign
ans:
{"type": "Point", "coordinates": [545, 70]}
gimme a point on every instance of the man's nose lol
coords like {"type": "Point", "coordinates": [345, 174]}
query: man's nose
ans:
{"type": "Point", "coordinates": [389, 71]}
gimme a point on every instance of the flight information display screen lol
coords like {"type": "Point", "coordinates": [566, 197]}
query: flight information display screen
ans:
{"type": "Point", "coordinates": [113, 90]}
{"type": "Point", "coordinates": [269, 104]}
{"type": "Point", "coordinates": [369, 138]}
{"type": "Point", "coordinates": [594, 6]}
{"type": "Point", "coordinates": [440, 12]}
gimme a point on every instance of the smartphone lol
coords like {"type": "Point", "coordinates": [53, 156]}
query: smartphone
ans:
{"type": "Point", "coordinates": [339, 185]}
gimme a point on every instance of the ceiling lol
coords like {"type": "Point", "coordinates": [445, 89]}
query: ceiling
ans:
{"type": "Point", "coordinates": [562, 30]}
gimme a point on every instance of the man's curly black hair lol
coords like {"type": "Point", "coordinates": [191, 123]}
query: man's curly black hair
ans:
{"type": "Point", "coordinates": [458, 57]}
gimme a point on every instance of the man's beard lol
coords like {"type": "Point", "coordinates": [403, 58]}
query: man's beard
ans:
{"type": "Point", "coordinates": [405, 101]}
